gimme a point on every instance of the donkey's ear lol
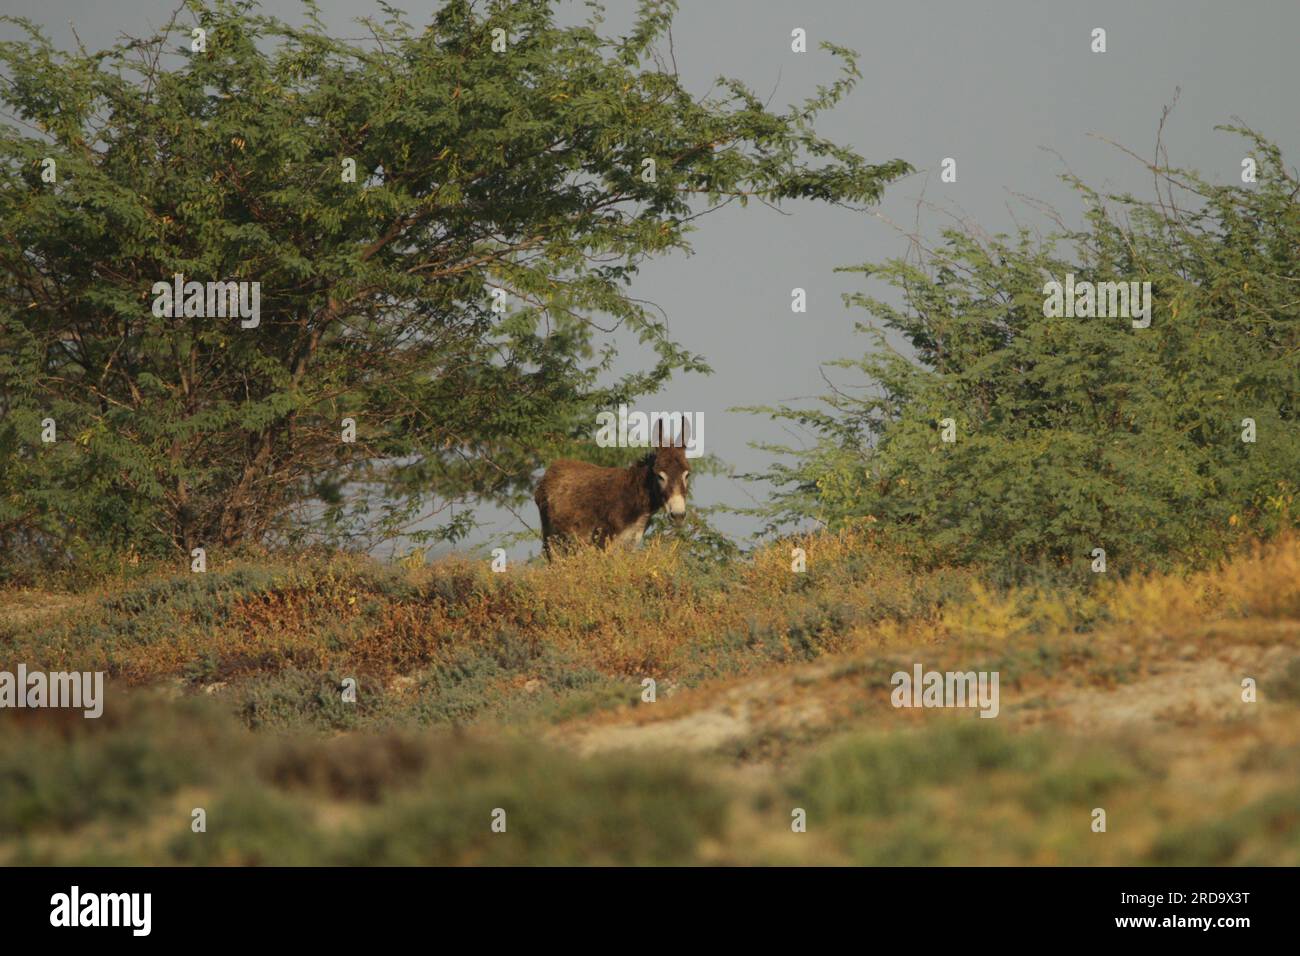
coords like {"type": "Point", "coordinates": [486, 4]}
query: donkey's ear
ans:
{"type": "Point", "coordinates": [659, 434]}
{"type": "Point", "coordinates": [686, 431]}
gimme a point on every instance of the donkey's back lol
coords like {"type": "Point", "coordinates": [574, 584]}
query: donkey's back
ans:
{"type": "Point", "coordinates": [586, 503]}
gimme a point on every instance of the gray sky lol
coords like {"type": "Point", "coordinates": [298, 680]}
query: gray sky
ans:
{"type": "Point", "coordinates": [1001, 87]}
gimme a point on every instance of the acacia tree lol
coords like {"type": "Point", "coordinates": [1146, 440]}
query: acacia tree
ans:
{"type": "Point", "coordinates": [1071, 432]}
{"type": "Point", "coordinates": [511, 175]}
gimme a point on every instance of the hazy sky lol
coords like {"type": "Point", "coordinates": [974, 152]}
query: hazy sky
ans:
{"type": "Point", "coordinates": [1001, 87]}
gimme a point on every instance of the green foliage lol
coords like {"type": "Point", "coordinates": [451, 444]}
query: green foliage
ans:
{"type": "Point", "coordinates": [291, 698]}
{"type": "Point", "coordinates": [707, 548]}
{"type": "Point", "coordinates": [1075, 433]}
{"type": "Point", "coordinates": [1254, 835]}
{"type": "Point", "coordinates": [561, 810]}
{"type": "Point", "coordinates": [58, 774]}
{"type": "Point", "coordinates": [476, 171]}
{"type": "Point", "coordinates": [404, 798]}
{"type": "Point", "coordinates": [892, 796]}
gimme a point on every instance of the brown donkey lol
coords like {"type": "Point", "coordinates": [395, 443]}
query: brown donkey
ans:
{"type": "Point", "coordinates": [607, 506]}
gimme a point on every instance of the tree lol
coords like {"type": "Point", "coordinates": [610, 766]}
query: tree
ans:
{"type": "Point", "coordinates": [510, 176]}
{"type": "Point", "coordinates": [1075, 432]}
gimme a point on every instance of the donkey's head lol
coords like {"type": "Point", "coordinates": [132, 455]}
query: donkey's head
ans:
{"type": "Point", "coordinates": [670, 469]}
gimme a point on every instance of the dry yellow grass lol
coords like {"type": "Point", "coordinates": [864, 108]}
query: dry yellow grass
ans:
{"type": "Point", "coordinates": [651, 612]}
{"type": "Point", "coordinates": [774, 687]}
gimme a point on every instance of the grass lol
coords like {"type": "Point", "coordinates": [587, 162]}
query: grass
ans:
{"type": "Point", "coordinates": [956, 791]}
{"type": "Point", "coordinates": [396, 798]}
{"type": "Point", "coordinates": [479, 691]}
{"type": "Point", "coordinates": [454, 642]}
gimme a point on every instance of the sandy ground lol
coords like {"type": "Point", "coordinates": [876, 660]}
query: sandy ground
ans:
{"type": "Point", "coordinates": [817, 699]}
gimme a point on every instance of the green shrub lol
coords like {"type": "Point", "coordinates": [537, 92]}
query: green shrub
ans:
{"type": "Point", "coordinates": [1075, 433]}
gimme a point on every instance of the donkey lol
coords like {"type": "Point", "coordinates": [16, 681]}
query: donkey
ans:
{"type": "Point", "coordinates": [609, 506]}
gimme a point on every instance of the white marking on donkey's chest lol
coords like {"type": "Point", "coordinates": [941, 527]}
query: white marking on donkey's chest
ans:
{"type": "Point", "coordinates": [631, 536]}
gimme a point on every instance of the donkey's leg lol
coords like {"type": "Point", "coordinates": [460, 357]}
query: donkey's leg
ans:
{"type": "Point", "coordinates": [629, 538]}
{"type": "Point", "coordinates": [544, 512]}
